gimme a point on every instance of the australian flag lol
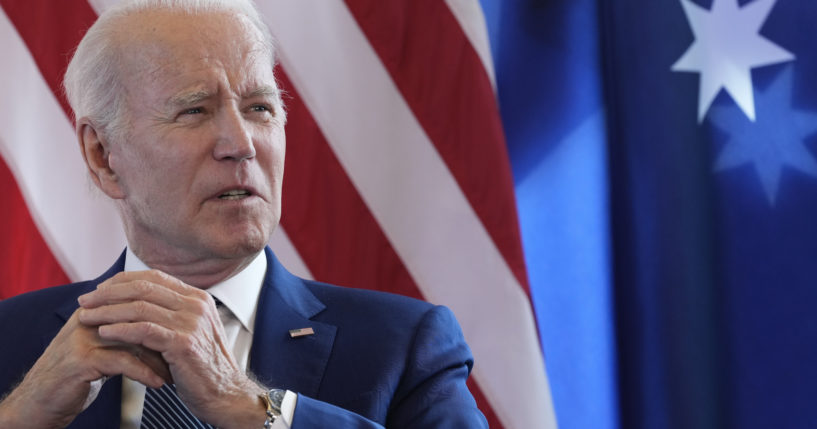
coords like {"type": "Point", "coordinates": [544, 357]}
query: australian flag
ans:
{"type": "Point", "coordinates": [665, 159]}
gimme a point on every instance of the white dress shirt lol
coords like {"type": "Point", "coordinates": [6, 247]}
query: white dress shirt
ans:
{"type": "Point", "coordinates": [239, 294]}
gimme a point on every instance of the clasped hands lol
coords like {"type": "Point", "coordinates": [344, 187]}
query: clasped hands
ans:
{"type": "Point", "coordinates": [152, 328]}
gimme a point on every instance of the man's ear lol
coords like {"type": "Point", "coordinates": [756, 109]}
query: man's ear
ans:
{"type": "Point", "coordinates": [96, 152]}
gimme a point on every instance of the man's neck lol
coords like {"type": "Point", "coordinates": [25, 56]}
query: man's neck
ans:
{"type": "Point", "coordinates": [201, 272]}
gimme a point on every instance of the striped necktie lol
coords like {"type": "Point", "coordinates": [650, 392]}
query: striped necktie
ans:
{"type": "Point", "coordinates": [164, 410]}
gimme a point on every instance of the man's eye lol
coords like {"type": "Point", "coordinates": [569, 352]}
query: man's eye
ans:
{"type": "Point", "coordinates": [260, 108]}
{"type": "Point", "coordinates": [192, 111]}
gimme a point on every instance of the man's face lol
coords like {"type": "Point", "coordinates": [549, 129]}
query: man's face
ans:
{"type": "Point", "coordinates": [202, 162]}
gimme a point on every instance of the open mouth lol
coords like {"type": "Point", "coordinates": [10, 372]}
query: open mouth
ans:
{"type": "Point", "coordinates": [236, 194]}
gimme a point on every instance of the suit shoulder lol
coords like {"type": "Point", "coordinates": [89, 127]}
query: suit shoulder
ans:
{"type": "Point", "coordinates": [48, 299]}
{"type": "Point", "coordinates": [382, 316]}
{"type": "Point", "coordinates": [369, 302]}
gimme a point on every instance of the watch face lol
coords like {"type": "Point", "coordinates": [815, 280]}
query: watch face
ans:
{"type": "Point", "coordinates": [277, 397]}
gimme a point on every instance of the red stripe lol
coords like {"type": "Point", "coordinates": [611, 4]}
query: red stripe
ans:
{"type": "Point", "coordinates": [325, 217]}
{"type": "Point", "coordinates": [26, 263]}
{"type": "Point", "coordinates": [442, 79]}
{"type": "Point", "coordinates": [51, 30]}
{"type": "Point", "coordinates": [329, 223]}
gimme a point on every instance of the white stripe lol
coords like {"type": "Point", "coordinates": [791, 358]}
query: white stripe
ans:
{"type": "Point", "coordinates": [153, 414]}
{"type": "Point", "coordinates": [147, 422]}
{"type": "Point", "coordinates": [472, 20]}
{"type": "Point", "coordinates": [101, 5]}
{"type": "Point", "coordinates": [420, 207]}
{"type": "Point", "coordinates": [287, 254]}
{"type": "Point", "coordinates": [39, 145]}
{"type": "Point", "coordinates": [172, 403]}
{"type": "Point", "coordinates": [148, 425]}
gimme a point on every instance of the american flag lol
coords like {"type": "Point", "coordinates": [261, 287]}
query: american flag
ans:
{"type": "Point", "coordinates": [397, 174]}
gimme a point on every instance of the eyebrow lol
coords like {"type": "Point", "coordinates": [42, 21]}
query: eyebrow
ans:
{"type": "Point", "coordinates": [262, 91]}
{"type": "Point", "coordinates": [195, 97]}
{"type": "Point", "coordinates": [189, 98]}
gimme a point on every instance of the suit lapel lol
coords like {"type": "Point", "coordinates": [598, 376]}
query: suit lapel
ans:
{"type": "Point", "coordinates": [277, 359]}
{"type": "Point", "coordinates": [68, 308]}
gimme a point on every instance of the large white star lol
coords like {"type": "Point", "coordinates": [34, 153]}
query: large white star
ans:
{"type": "Point", "coordinates": [727, 46]}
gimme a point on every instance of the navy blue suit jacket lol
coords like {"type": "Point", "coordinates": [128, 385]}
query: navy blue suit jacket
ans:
{"type": "Point", "coordinates": [376, 359]}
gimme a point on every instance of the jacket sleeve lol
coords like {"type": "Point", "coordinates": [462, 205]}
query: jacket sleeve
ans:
{"type": "Point", "coordinates": [431, 394]}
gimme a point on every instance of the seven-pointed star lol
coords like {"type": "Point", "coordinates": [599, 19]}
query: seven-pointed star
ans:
{"type": "Point", "coordinates": [727, 46]}
{"type": "Point", "coordinates": [775, 141]}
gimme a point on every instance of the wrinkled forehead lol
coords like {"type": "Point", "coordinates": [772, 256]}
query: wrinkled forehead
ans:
{"type": "Point", "coordinates": [157, 43]}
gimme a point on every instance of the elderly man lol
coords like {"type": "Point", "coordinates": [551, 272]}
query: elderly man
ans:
{"type": "Point", "coordinates": [181, 124]}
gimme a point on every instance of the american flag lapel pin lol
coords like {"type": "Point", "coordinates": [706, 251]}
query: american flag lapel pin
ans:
{"type": "Point", "coordinates": [302, 332]}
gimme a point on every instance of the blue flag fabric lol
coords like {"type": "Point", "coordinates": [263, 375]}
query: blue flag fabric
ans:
{"type": "Point", "coordinates": [714, 189]}
{"type": "Point", "coordinates": [667, 148]}
{"type": "Point", "coordinates": [548, 71]}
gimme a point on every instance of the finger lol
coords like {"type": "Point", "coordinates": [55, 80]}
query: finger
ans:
{"type": "Point", "coordinates": [150, 335]}
{"type": "Point", "coordinates": [158, 277]}
{"type": "Point", "coordinates": [110, 362]}
{"type": "Point", "coordinates": [152, 285]}
{"type": "Point", "coordinates": [141, 290]}
{"type": "Point", "coordinates": [134, 311]}
{"type": "Point", "coordinates": [87, 348]}
{"type": "Point", "coordinates": [151, 358]}
{"type": "Point", "coordinates": [155, 361]}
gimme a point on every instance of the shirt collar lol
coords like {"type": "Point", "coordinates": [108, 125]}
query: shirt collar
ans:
{"type": "Point", "coordinates": [238, 293]}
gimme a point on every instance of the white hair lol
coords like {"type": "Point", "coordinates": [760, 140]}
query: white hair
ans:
{"type": "Point", "coordinates": [92, 82]}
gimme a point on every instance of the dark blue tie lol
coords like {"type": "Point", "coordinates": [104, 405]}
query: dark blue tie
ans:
{"type": "Point", "coordinates": [164, 410]}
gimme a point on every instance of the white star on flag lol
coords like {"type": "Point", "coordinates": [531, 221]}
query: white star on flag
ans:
{"type": "Point", "coordinates": [727, 46]}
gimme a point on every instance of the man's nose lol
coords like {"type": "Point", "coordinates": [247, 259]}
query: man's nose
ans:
{"type": "Point", "coordinates": [234, 141]}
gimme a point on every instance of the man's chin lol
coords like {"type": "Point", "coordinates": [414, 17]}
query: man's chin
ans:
{"type": "Point", "coordinates": [238, 246]}
{"type": "Point", "coordinates": [240, 249]}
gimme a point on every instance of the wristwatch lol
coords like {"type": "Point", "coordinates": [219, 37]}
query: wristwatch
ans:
{"type": "Point", "coordinates": [273, 400]}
